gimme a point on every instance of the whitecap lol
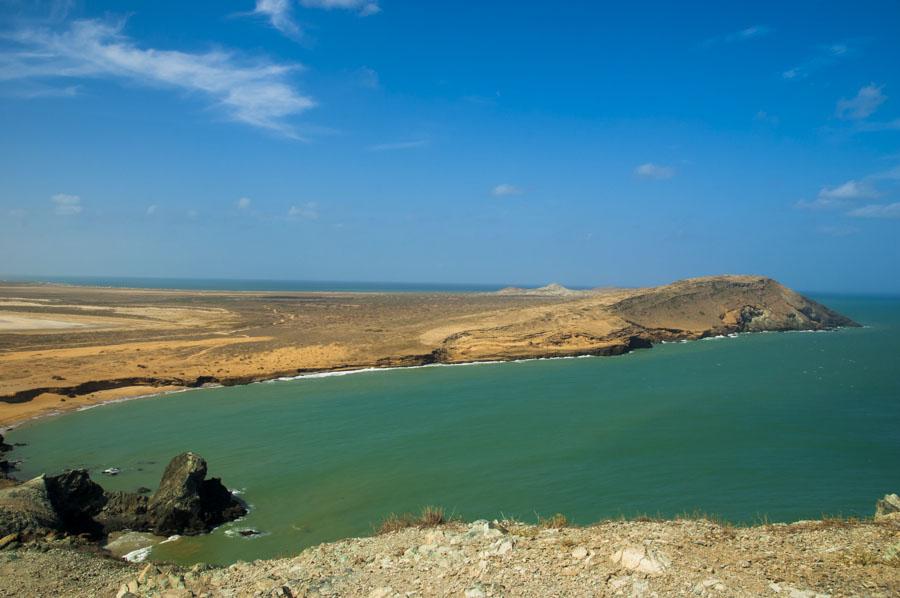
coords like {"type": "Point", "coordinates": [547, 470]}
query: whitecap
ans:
{"type": "Point", "coordinates": [137, 556]}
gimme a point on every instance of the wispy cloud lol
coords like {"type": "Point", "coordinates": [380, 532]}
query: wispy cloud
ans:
{"type": "Point", "coordinates": [825, 56]}
{"type": "Point", "coordinates": [257, 93]}
{"type": "Point", "coordinates": [863, 104]}
{"type": "Point", "coordinates": [151, 210]}
{"type": "Point", "coordinates": [839, 196]}
{"type": "Point", "coordinates": [280, 16]}
{"type": "Point", "coordinates": [243, 203]}
{"type": "Point", "coordinates": [743, 35]}
{"type": "Point", "coordinates": [850, 190]}
{"type": "Point", "coordinates": [399, 145]}
{"type": "Point", "coordinates": [364, 8]}
{"type": "Point", "coordinates": [886, 211]}
{"type": "Point", "coordinates": [654, 171]}
{"type": "Point", "coordinates": [306, 211]}
{"type": "Point", "coordinates": [66, 205]}
{"type": "Point", "coordinates": [506, 190]}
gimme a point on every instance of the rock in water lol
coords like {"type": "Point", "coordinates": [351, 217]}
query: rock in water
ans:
{"type": "Point", "coordinates": [188, 503]}
{"type": "Point", "coordinates": [76, 500]}
{"type": "Point", "coordinates": [27, 508]}
{"type": "Point", "coordinates": [4, 448]}
{"type": "Point", "coordinates": [887, 506]}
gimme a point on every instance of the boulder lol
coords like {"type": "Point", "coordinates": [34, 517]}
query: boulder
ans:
{"type": "Point", "coordinates": [187, 503]}
{"type": "Point", "coordinates": [887, 506]}
{"type": "Point", "coordinates": [76, 500]}
{"type": "Point", "coordinates": [27, 508]}
{"type": "Point", "coordinates": [4, 448]}
{"type": "Point", "coordinates": [124, 511]}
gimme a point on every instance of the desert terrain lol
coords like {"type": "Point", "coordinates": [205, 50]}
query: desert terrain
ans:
{"type": "Point", "coordinates": [67, 347]}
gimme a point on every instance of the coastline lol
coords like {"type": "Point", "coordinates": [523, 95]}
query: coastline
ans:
{"type": "Point", "coordinates": [137, 392]}
{"type": "Point", "coordinates": [162, 341]}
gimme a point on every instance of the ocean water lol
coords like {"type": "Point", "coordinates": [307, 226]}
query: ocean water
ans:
{"type": "Point", "coordinates": [784, 426]}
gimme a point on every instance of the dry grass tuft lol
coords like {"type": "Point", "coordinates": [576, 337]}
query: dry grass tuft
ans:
{"type": "Point", "coordinates": [429, 517]}
{"type": "Point", "coordinates": [556, 521]}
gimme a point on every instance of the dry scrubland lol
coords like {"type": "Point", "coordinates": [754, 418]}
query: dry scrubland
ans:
{"type": "Point", "coordinates": [69, 347]}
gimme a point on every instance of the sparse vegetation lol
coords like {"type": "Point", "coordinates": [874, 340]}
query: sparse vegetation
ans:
{"type": "Point", "coordinates": [430, 516]}
{"type": "Point", "coordinates": [556, 521]}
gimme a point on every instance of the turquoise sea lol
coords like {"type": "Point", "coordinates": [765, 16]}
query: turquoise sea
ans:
{"type": "Point", "coordinates": [785, 426]}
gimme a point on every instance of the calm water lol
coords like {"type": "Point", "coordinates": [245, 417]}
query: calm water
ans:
{"type": "Point", "coordinates": [788, 425]}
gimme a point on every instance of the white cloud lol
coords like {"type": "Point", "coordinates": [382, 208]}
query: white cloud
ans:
{"type": "Point", "coordinates": [400, 145]}
{"type": "Point", "coordinates": [840, 196]}
{"type": "Point", "coordinates": [866, 101]}
{"type": "Point", "coordinates": [279, 14]}
{"type": "Point", "coordinates": [243, 203]}
{"type": "Point", "coordinates": [17, 213]}
{"type": "Point", "coordinates": [257, 93]}
{"type": "Point", "coordinates": [365, 8]}
{"type": "Point", "coordinates": [151, 210]}
{"type": "Point", "coordinates": [848, 190]}
{"type": "Point", "coordinates": [306, 211]}
{"type": "Point", "coordinates": [66, 205]}
{"type": "Point", "coordinates": [506, 190]}
{"type": "Point", "coordinates": [887, 211]}
{"type": "Point", "coordinates": [655, 171]}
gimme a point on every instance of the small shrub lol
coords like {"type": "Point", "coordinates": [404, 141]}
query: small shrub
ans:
{"type": "Point", "coordinates": [429, 517]}
{"type": "Point", "coordinates": [557, 521]}
{"type": "Point", "coordinates": [432, 517]}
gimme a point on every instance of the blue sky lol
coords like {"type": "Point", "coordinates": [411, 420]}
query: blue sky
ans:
{"type": "Point", "coordinates": [492, 142]}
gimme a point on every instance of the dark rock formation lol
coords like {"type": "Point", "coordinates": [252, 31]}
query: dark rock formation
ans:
{"type": "Point", "coordinates": [124, 510]}
{"type": "Point", "coordinates": [5, 466]}
{"type": "Point", "coordinates": [187, 503]}
{"type": "Point", "coordinates": [76, 500]}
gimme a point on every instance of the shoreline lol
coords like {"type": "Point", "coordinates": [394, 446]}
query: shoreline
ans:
{"type": "Point", "coordinates": [122, 344]}
{"type": "Point", "coordinates": [332, 372]}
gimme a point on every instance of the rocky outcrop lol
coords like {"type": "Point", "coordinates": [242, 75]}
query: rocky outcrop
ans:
{"type": "Point", "coordinates": [5, 466]}
{"type": "Point", "coordinates": [187, 503]}
{"type": "Point", "coordinates": [889, 506]}
{"type": "Point", "coordinates": [124, 511]}
{"type": "Point", "coordinates": [76, 500]}
{"type": "Point", "coordinates": [27, 509]}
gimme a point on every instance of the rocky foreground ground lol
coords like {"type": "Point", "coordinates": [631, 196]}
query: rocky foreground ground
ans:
{"type": "Point", "coordinates": [617, 558]}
